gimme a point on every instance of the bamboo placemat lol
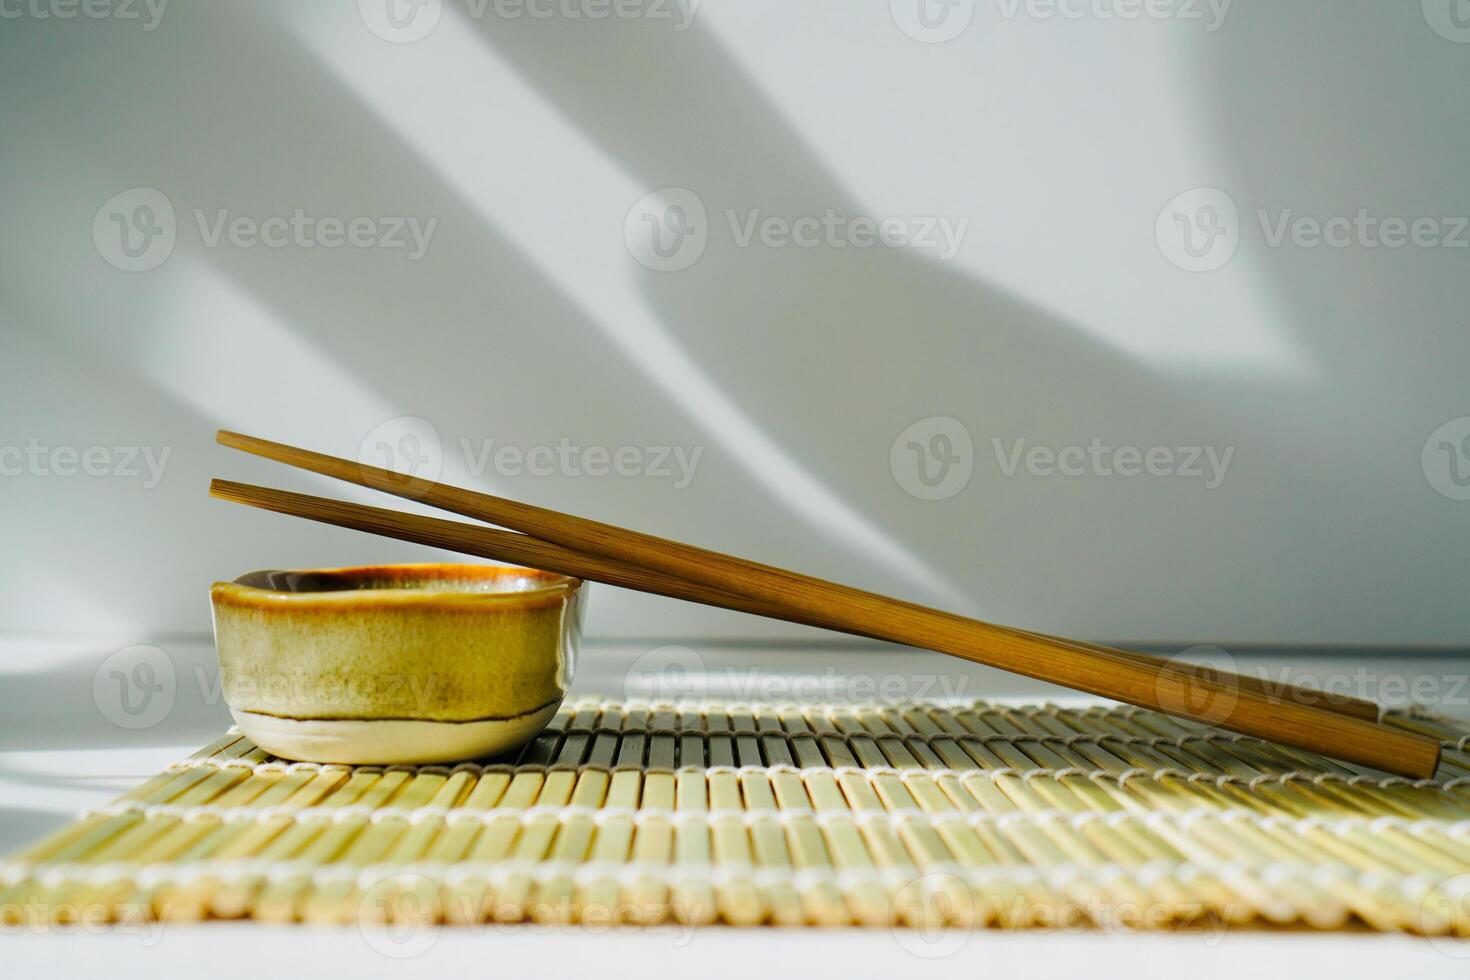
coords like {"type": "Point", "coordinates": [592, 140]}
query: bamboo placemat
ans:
{"type": "Point", "coordinates": [980, 814]}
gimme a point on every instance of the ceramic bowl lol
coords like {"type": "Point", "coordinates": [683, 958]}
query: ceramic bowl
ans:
{"type": "Point", "coordinates": [396, 663]}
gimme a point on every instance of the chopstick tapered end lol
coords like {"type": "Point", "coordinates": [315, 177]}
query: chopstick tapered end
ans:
{"type": "Point", "coordinates": [228, 490]}
{"type": "Point", "coordinates": [240, 493]}
{"type": "Point", "coordinates": [1427, 764]}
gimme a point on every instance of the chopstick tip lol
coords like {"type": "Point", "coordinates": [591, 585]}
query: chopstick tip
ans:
{"type": "Point", "coordinates": [224, 489]}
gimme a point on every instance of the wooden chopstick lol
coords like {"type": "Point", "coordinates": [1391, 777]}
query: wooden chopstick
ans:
{"type": "Point", "coordinates": [1237, 709]}
{"type": "Point", "coordinates": [522, 549]}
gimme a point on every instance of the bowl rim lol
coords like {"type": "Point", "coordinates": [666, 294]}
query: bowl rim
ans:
{"type": "Point", "coordinates": [553, 589]}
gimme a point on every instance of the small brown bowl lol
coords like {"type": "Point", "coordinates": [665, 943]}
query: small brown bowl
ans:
{"type": "Point", "coordinates": [396, 663]}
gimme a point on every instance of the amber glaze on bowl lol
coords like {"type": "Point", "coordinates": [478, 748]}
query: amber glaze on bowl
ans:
{"type": "Point", "coordinates": [391, 664]}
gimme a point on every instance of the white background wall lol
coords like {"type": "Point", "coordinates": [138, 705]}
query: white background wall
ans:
{"type": "Point", "coordinates": [1062, 317]}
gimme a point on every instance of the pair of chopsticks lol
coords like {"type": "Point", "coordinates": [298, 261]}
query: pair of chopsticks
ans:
{"type": "Point", "coordinates": [599, 552]}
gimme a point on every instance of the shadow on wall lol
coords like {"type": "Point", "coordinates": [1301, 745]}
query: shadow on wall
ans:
{"type": "Point", "coordinates": [96, 700]}
{"type": "Point", "coordinates": [1291, 87]}
{"type": "Point", "coordinates": [830, 352]}
{"type": "Point", "coordinates": [881, 329]}
{"type": "Point", "coordinates": [877, 332]}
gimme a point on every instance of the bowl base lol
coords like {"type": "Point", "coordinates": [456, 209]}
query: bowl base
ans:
{"type": "Point", "coordinates": [386, 742]}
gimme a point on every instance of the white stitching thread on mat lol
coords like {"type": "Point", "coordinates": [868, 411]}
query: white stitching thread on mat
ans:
{"type": "Point", "coordinates": [894, 818]}
{"type": "Point", "coordinates": [246, 870]}
{"type": "Point", "coordinates": [1293, 775]}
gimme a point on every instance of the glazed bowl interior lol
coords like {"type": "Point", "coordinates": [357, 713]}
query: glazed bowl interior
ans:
{"type": "Point", "coordinates": [434, 578]}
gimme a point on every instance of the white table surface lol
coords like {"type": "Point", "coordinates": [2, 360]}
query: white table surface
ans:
{"type": "Point", "coordinates": [59, 754]}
